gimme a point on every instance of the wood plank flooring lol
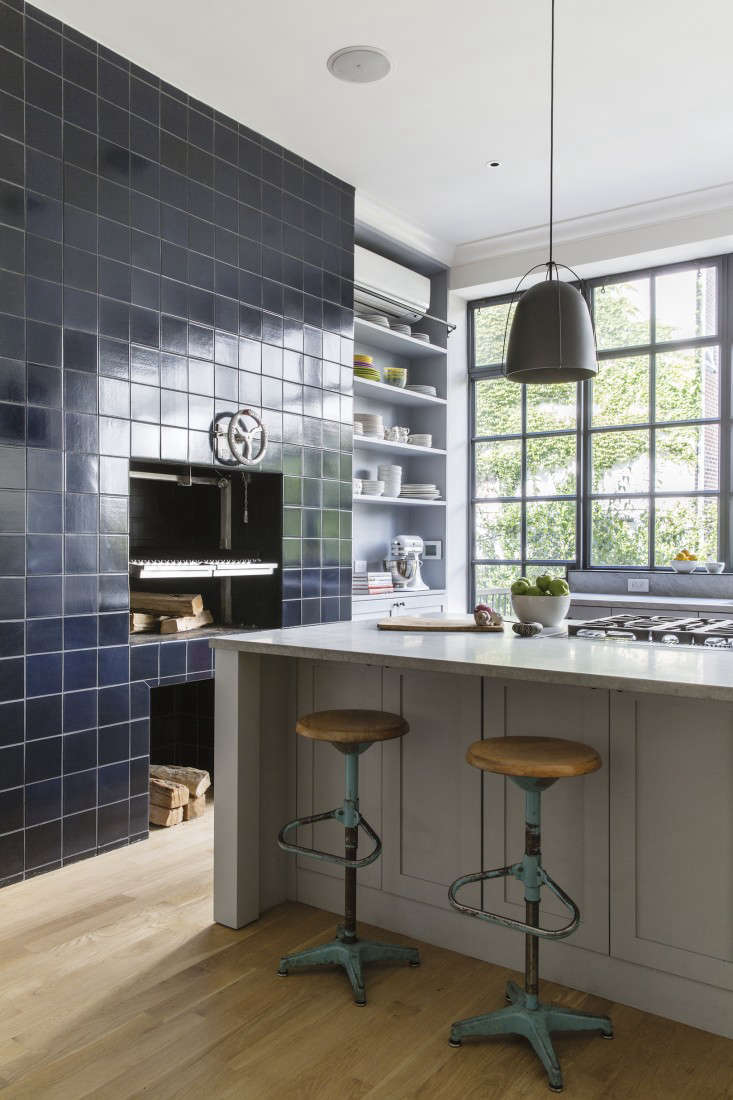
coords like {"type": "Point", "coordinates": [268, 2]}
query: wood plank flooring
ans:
{"type": "Point", "coordinates": [116, 983]}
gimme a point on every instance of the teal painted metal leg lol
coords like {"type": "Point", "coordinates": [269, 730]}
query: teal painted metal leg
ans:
{"type": "Point", "coordinates": [524, 1014]}
{"type": "Point", "coordinates": [347, 950]}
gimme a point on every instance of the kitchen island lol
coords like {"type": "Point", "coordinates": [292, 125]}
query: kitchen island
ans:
{"type": "Point", "coordinates": [645, 845]}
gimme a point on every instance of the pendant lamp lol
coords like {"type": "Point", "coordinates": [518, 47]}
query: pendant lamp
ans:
{"type": "Point", "coordinates": [551, 338]}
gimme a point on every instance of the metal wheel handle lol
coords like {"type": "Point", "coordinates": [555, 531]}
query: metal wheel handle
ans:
{"type": "Point", "coordinates": [241, 439]}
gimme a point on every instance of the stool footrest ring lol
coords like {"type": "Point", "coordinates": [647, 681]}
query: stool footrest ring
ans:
{"type": "Point", "coordinates": [330, 857]}
{"type": "Point", "coordinates": [508, 922]}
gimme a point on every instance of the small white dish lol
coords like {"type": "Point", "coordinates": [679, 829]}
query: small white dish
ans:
{"type": "Point", "coordinates": [715, 566]}
{"type": "Point", "coordinates": [548, 610]}
{"type": "Point", "coordinates": [685, 566]}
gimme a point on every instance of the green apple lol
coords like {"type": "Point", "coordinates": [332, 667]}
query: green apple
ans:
{"type": "Point", "coordinates": [520, 587]}
{"type": "Point", "coordinates": [533, 590]}
{"type": "Point", "coordinates": [544, 582]}
{"type": "Point", "coordinates": [559, 587]}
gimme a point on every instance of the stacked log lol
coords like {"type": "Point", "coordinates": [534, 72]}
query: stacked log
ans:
{"type": "Point", "coordinates": [177, 794]}
{"type": "Point", "coordinates": [167, 613]}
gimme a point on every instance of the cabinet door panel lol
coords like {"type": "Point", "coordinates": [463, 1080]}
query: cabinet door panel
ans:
{"type": "Point", "coordinates": [432, 798]}
{"type": "Point", "coordinates": [324, 685]}
{"type": "Point", "coordinates": [574, 810]}
{"type": "Point", "coordinates": [672, 835]}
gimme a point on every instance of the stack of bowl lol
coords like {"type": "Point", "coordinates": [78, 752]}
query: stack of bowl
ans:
{"type": "Point", "coordinates": [372, 424]}
{"type": "Point", "coordinates": [392, 478]}
{"type": "Point", "coordinates": [421, 439]}
{"type": "Point", "coordinates": [395, 376]}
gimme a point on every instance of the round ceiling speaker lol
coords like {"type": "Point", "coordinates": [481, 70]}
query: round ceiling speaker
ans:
{"type": "Point", "coordinates": [359, 64]}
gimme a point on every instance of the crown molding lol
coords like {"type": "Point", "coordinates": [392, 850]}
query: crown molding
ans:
{"type": "Point", "coordinates": [622, 219]}
{"type": "Point", "coordinates": [372, 215]}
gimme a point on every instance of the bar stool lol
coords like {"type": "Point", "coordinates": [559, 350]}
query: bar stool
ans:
{"type": "Point", "coordinates": [351, 732]}
{"type": "Point", "coordinates": [533, 763]}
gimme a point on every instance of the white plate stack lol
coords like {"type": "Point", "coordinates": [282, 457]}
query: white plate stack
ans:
{"type": "Point", "coordinates": [372, 488]}
{"type": "Point", "coordinates": [420, 491]}
{"type": "Point", "coordinates": [429, 391]}
{"type": "Point", "coordinates": [372, 424]}
{"type": "Point", "coordinates": [392, 478]}
{"type": "Point", "coordinates": [422, 337]}
{"type": "Point", "coordinates": [380, 319]}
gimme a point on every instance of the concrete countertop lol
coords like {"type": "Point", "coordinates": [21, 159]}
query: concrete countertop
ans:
{"type": "Point", "coordinates": [656, 669]}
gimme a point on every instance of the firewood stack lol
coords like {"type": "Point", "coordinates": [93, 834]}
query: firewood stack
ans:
{"type": "Point", "coordinates": [167, 613]}
{"type": "Point", "coordinates": [177, 794]}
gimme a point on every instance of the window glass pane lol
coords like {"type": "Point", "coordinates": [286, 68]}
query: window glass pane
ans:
{"type": "Point", "coordinates": [498, 407]}
{"type": "Point", "coordinates": [499, 468]}
{"type": "Point", "coordinates": [551, 530]}
{"type": "Point", "coordinates": [620, 462]}
{"type": "Point", "coordinates": [620, 532]}
{"type": "Point", "coordinates": [551, 408]}
{"type": "Point", "coordinates": [551, 466]}
{"type": "Point", "coordinates": [687, 384]}
{"type": "Point", "coordinates": [621, 391]}
{"type": "Point", "coordinates": [494, 576]}
{"type": "Point", "coordinates": [490, 323]}
{"type": "Point", "coordinates": [498, 531]}
{"type": "Point", "coordinates": [687, 458]}
{"type": "Point", "coordinates": [686, 304]}
{"type": "Point", "coordinates": [686, 523]}
{"type": "Point", "coordinates": [621, 313]}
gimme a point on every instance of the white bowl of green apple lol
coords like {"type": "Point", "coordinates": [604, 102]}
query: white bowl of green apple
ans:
{"type": "Point", "coordinates": [547, 601]}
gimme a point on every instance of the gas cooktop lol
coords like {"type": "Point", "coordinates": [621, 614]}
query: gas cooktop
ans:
{"type": "Point", "coordinates": [671, 630]}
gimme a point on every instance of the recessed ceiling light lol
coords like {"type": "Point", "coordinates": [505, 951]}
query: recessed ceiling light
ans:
{"type": "Point", "coordinates": [492, 163]}
{"type": "Point", "coordinates": [359, 64]}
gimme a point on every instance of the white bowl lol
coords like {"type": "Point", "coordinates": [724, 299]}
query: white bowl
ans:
{"type": "Point", "coordinates": [548, 610]}
{"type": "Point", "coordinates": [715, 566]}
{"type": "Point", "coordinates": [685, 566]}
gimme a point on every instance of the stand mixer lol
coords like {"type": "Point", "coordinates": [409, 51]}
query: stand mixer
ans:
{"type": "Point", "coordinates": [405, 562]}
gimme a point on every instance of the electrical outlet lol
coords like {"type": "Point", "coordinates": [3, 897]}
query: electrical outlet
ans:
{"type": "Point", "coordinates": [638, 584]}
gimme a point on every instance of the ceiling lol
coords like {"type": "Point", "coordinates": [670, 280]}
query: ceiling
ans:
{"type": "Point", "coordinates": [644, 95]}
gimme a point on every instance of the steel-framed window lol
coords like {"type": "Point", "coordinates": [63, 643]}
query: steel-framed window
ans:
{"type": "Point", "coordinates": [656, 415]}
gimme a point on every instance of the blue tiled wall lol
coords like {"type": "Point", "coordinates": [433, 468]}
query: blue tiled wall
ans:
{"type": "Point", "coordinates": [160, 264]}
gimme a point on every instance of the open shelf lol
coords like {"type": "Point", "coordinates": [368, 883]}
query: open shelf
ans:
{"type": "Point", "coordinates": [378, 337]}
{"type": "Point", "coordinates": [364, 443]}
{"type": "Point", "coordinates": [405, 501]}
{"type": "Point", "coordinates": [380, 391]}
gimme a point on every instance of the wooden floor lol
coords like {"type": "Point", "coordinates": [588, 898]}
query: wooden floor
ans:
{"type": "Point", "coordinates": [116, 983]}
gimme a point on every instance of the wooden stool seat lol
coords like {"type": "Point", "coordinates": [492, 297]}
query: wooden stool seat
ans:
{"type": "Point", "coordinates": [352, 727]}
{"type": "Point", "coordinates": [535, 757]}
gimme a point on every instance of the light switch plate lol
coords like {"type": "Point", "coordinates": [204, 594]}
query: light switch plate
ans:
{"type": "Point", "coordinates": [638, 584]}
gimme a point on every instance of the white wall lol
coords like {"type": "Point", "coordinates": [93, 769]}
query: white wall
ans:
{"type": "Point", "coordinates": [456, 566]}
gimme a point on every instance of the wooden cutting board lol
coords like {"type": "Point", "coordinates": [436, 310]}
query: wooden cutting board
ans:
{"type": "Point", "coordinates": [445, 623]}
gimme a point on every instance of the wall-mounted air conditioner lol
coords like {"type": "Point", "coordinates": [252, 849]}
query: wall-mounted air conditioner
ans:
{"type": "Point", "coordinates": [382, 286]}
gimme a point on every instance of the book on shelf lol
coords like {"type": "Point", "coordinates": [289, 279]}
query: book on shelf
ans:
{"type": "Point", "coordinates": [369, 584]}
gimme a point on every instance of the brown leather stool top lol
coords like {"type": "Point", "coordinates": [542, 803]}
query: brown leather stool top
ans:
{"type": "Point", "coordinates": [536, 757]}
{"type": "Point", "coordinates": [352, 727]}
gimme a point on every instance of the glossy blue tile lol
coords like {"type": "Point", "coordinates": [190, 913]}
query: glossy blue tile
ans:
{"type": "Point", "coordinates": [42, 845]}
{"type": "Point", "coordinates": [80, 669]}
{"type": "Point", "coordinates": [43, 717]}
{"type": "Point", "coordinates": [43, 674]}
{"type": "Point", "coordinates": [79, 832]}
{"type": "Point", "coordinates": [113, 822]}
{"type": "Point", "coordinates": [80, 513]}
{"type": "Point", "coordinates": [42, 801]}
{"type": "Point", "coordinates": [44, 635]}
{"type": "Point", "coordinates": [11, 679]}
{"type": "Point", "coordinates": [113, 783]}
{"type": "Point", "coordinates": [42, 759]}
{"type": "Point", "coordinates": [11, 810]}
{"type": "Point", "coordinates": [45, 513]}
{"type": "Point", "coordinates": [12, 639]}
{"type": "Point", "coordinates": [79, 753]}
{"type": "Point", "coordinates": [80, 710]}
{"type": "Point", "coordinates": [114, 744]}
{"type": "Point", "coordinates": [44, 554]}
{"type": "Point", "coordinates": [114, 704]}
{"type": "Point", "coordinates": [113, 665]}
{"type": "Point", "coordinates": [144, 662]}
{"type": "Point", "coordinates": [80, 553]}
{"type": "Point", "coordinates": [114, 596]}
{"type": "Point", "coordinates": [80, 595]}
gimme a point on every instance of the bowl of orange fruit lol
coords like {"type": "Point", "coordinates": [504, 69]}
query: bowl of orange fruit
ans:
{"type": "Point", "coordinates": [685, 562]}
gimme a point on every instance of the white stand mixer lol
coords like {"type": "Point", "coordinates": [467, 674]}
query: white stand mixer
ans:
{"type": "Point", "coordinates": [405, 562]}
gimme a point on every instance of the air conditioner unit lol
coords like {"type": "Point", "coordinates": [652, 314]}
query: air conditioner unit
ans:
{"type": "Point", "coordinates": [382, 286]}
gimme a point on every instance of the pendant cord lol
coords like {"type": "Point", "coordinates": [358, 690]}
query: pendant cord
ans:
{"type": "Point", "coordinates": [552, 121]}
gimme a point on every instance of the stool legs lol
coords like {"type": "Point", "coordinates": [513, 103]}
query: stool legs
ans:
{"type": "Point", "coordinates": [525, 1015]}
{"type": "Point", "coordinates": [347, 950]}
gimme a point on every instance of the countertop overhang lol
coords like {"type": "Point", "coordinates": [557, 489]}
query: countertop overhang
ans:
{"type": "Point", "coordinates": [655, 669]}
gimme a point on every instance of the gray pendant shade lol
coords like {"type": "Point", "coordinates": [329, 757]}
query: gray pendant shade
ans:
{"type": "Point", "coordinates": [551, 338]}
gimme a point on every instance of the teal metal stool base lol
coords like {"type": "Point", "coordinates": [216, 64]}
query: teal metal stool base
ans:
{"type": "Point", "coordinates": [347, 950]}
{"type": "Point", "coordinates": [351, 954]}
{"type": "Point", "coordinates": [525, 1014]}
{"type": "Point", "coordinates": [535, 1024]}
